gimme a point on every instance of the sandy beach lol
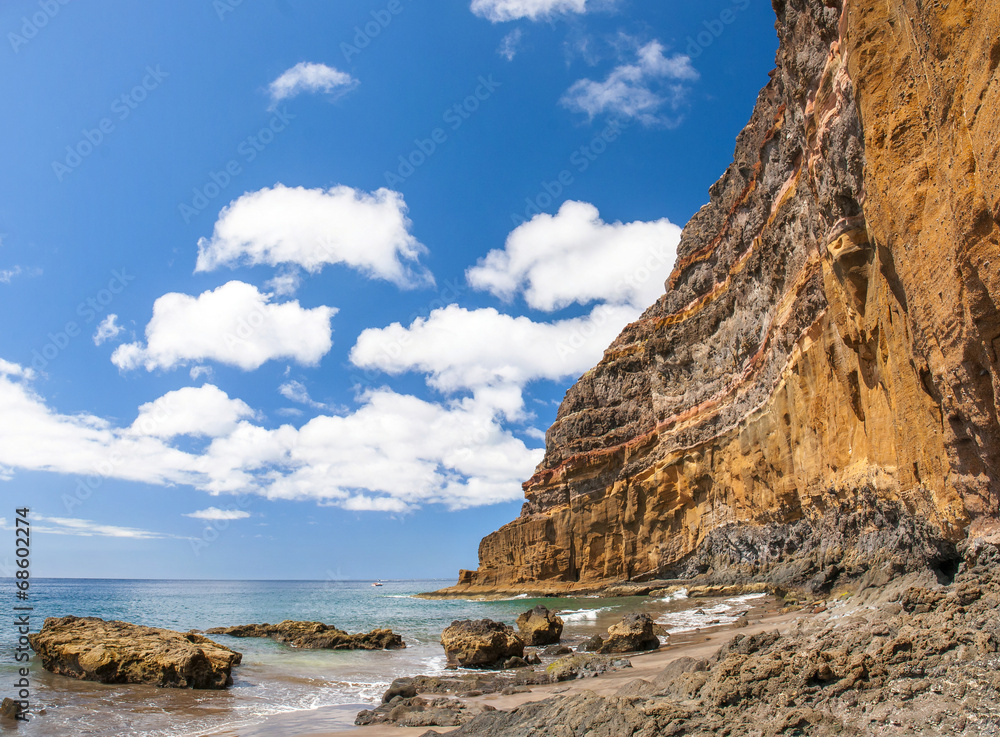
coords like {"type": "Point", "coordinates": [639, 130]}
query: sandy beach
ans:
{"type": "Point", "coordinates": [338, 721]}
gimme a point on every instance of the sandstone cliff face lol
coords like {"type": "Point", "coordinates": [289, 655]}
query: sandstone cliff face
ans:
{"type": "Point", "coordinates": [820, 383]}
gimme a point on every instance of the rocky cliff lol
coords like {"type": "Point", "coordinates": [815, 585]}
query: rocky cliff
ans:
{"type": "Point", "coordinates": [820, 383]}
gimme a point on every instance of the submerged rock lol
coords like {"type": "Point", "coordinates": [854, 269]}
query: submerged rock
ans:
{"type": "Point", "coordinates": [92, 649]}
{"type": "Point", "coordinates": [634, 633]}
{"type": "Point", "coordinates": [539, 626]}
{"type": "Point", "coordinates": [315, 636]}
{"type": "Point", "coordinates": [10, 709]}
{"type": "Point", "coordinates": [480, 643]}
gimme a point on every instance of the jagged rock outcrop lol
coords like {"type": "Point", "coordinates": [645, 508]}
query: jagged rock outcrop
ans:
{"type": "Point", "coordinates": [913, 658]}
{"type": "Point", "coordinates": [539, 626]}
{"type": "Point", "coordinates": [480, 643]}
{"type": "Point", "coordinates": [92, 649]}
{"type": "Point", "coordinates": [820, 383]}
{"type": "Point", "coordinates": [315, 636]}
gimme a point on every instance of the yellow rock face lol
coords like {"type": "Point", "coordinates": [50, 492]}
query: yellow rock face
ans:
{"type": "Point", "coordinates": [820, 384]}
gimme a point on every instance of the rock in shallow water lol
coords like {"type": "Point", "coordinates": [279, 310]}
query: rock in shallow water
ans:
{"type": "Point", "coordinates": [633, 634]}
{"type": "Point", "coordinates": [10, 709]}
{"type": "Point", "coordinates": [92, 649]}
{"type": "Point", "coordinates": [315, 636]}
{"type": "Point", "coordinates": [480, 643]}
{"type": "Point", "coordinates": [539, 626]}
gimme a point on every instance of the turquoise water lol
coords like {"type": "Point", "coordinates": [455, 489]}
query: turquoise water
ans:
{"type": "Point", "coordinates": [273, 679]}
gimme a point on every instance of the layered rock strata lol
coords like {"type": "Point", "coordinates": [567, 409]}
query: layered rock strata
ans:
{"type": "Point", "coordinates": [820, 383]}
{"type": "Point", "coordinates": [92, 649]}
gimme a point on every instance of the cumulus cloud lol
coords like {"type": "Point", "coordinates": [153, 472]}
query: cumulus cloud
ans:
{"type": "Point", "coordinates": [462, 349]}
{"type": "Point", "coordinates": [639, 90]}
{"type": "Point", "coordinates": [234, 324]}
{"type": "Point", "coordinates": [575, 257]}
{"type": "Point", "coordinates": [204, 411]}
{"type": "Point", "coordinates": [216, 514]}
{"type": "Point", "coordinates": [108, 329]}
{"type": "Point", "coordinates": [499, 11]}
{"type": "Point", "coordinates": [312, 228]}
{"type": "Point", "coordinates": [310, 77]}
{"type": "Point", "coordinates": [393, 453]}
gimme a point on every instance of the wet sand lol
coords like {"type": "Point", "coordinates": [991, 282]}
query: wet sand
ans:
{"type": "Point", "coordinates": [702, 644]}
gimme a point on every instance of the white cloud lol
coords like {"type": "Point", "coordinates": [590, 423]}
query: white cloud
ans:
{"type": "Point", "coordinates": [216, 514]}
{"type": "Point", "coordinates": [7, 274]}
{"type": "Point", "coordinates": [499, 11]}
{"type": "Point", "coordinates": [464, 349]}
{"type": "Point", "coordinates": [394, 452]}
{"type": "Point", "coordinates": [204, 411]}
{"type": "Point", "coordinates": [310, 77]}
{"type": "Point", "coordinates": [108, 329]}
{"type": "Point", "coordinates": [639, 90]}
{"type": "Point", "coordinates": [87, 528]}
{"type": "Point", "coordinates": [312, 228]}
{"type": "Point", "coordinates": [296, 391]}
{"type": "Point", "coordinates": [197, 372]}
{"type": "Point", "coordinates": [397, 452]}
{"type": "Point", "coordinates": [574, 256]}
{"type": "Point", "coordinates": [7, 368]}
{"type": "Point", "coordinates": [509, 45]}
{"type": "Point", "coordinates": [234, 324]}
{"type": "Point", "coordinates": [286, 283]}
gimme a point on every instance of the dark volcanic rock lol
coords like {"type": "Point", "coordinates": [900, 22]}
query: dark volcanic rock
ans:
{"type": "Point", "coordinates": [868, 668]}
{"type": "Point", "coordinates": [583, 666]}
{"type": "Point", "coordinates": [554, 651]}
{"type": "Point", "coordinates": [480, 643]}
{"type": "Point", "coordinates": [315, 636]}
{"type": "Point", "coordinates": [591, 644]}
{"type": "Point", "coordinates": [420, 712]}
{"type": "Point", "coordinates": [539, 626]}
{"type": "Point", "coordinates": [401, 688]}
{"type": "Point", "coordinates": [92, 649]}
{"type": "Point", "coordinates": [633, 634]}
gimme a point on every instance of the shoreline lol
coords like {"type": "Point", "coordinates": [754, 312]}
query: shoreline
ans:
{"type": "Point", "coordinates": [697, 644]}
{"type": "Point", "coordinates": [611, 589]}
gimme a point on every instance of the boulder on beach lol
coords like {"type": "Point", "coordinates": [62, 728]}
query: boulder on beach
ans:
{"type": "Point", "coordinates": [92, 649]}
{"type": "Point", "coordinates": [634, 633]}
{"type": "Point", "coordinates": [480, 643]}
{"type": "Point", "coordinates": [315, 636]}
{"type": "Point", "coordinates": [591, 645]}
{"type": "Point", "coordinates": [539, 626]}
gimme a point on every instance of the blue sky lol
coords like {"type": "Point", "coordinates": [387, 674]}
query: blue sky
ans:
{"type": "Point", "coordinates": [293, 289]}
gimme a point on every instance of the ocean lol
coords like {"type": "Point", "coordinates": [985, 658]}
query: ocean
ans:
{"type": "Point", "coordinates": [278, 687]}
